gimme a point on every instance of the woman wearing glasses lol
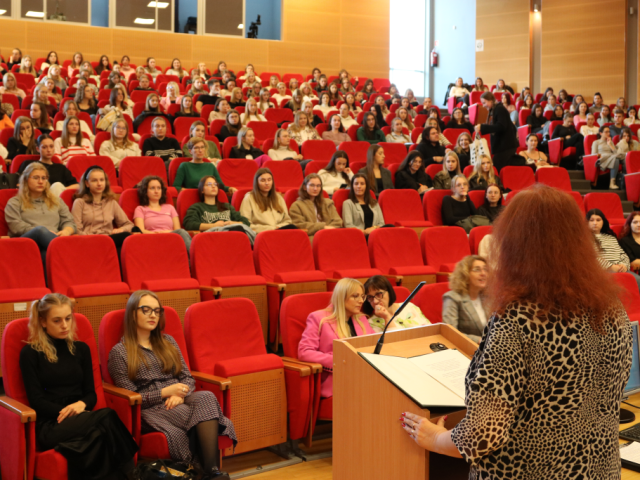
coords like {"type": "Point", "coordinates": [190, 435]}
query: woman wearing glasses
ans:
{"type": "Point", "coordinates": [149, 362]}
{"type": "Point", "coordinates": [342, 318]}
{"type": "Point", "coordinates": [209, 213]}
{"type": "Point", "coordinates": [381, 306]}
{"type": "Point", "coordinates": [462, 306]}
{"type": "Point", "coordinates": [311, 211]}
{"type": "Point", "coordinates": [190, 173]}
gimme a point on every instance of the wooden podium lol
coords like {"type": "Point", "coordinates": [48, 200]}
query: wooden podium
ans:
{"type": "Point", "coordinates": [368, 442]}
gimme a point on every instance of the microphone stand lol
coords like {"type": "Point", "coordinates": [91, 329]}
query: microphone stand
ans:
{"type": "Point", "coordinates": [404, 304]}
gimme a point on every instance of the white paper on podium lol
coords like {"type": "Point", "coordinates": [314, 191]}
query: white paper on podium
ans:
{"type": "Point", "coordinates": [630, 452]}
{"type": "Point", "coordinates": [449, 367]}
{"type": "Point", "coordinates": [420, 386]}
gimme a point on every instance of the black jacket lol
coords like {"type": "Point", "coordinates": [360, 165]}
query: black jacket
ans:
{"type": "Point", "coordinates": [408, 180]}
{"type": "Point", "coordinates": [503, 132]}
{"type": "Point", "coordinates": [428, 151]}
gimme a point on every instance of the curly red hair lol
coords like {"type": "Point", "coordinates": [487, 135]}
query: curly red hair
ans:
{"type": "Point", "coordinates": [543, 252]}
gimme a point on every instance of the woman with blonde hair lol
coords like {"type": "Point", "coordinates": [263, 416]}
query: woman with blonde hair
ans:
{"type": "Point", "coordinates": [151, 109]}
{"type": "Point", "coordinates": [76, 63]}
{"type": "Point", "coordinates": [26, 66]}
{"type": "Point", "coordinates": [120, 145]}
{"type": "Point", "coordinates": [264, 100]}
{"type": "Point", "coordinates": [71, 142]}
{"type": "Point", "coordinates": [403, 114]}
{"type": "Point", "coordinates": [281, 149]}
{"type": "Point", "coordinates": [86, 100]}
{"type": "Point", "coordinates": [58, 377]}
{"type": "Point", "coordinates": [282, 94]}
{"type": "Point", "coordinates": [35, 212]}
{"type": "Point", "coordinates": [307, 92]}
{"type": "Point", "coordinates": [463, 149]}
{"type": "Point", "coordinates": [301, 129]}
{"type": "Point", "coordinates": [295, 104]}
{"type": "Point", "coordinates": [41, 95]}
{"type": "Point", "coordinates": [264, 207]}
{"type": "Point", "coordinates": [342, 318]}
{"type": "Point", "coordinates": [450, 169]}
{"type": "Point", "coordinates": [51, 90]}
{"type": "Point", "coordinates": [251, 113]}
{"type": "Point", "coordinates": [150, 67]}
{"type": "Point", "coordinates": [172, 95]}
{"type": "Point", "coordinates": [54, 74]}
{"type": "Point", "coordinates": [198, 86]}
{"type": "Point", "coordinates": [311, 211]}
{"type": "Point", "coordinates": [245, 147]}
{"type": "Point", "coordinates": [176, 69]}
{"type": "Point", "coordinates": [462, 306]}
{"type": "Point", "coordinates": [149, 361]}
{"type": "Point", "coordinates": [397, 134]}
{"type": "Point", "coordinates": [237, 99]}
{"type": "Point", "coordinates": [10, 85]}
{"type": "Point", "coordinates": [484, 174]}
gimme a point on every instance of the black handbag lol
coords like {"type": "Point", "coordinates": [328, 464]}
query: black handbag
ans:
{"type": "Point", "coordinates": [164, 469]}
{"type": "Point", "coordinates": [9, 180]}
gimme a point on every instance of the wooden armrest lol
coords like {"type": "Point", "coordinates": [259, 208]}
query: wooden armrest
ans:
{"type": "Point", "coordinates": [280, 286]}
{"type": "Point", "coordinates": [27, 414]}
{"type": "Point", "coordinates": [303, 370]}
{"type": "Point", "coordinates": [315, 367]}
{"type": "Point", "coordinates": [333, 280]}
{"type": "Point", "coordinates": [444, 273]}
{"type": "Point", "coordinates": [216, 290]}
{"type": "Point", "coordinates": [133, 397]}
{"type": "Point", "coordinates": [223, 383]}
{"type": "Point", "coordinates": [394, 278]}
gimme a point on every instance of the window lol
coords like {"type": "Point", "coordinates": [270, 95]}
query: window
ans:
{"type": "Point", "coordinates": [76, 11]}
{"type": "Point", "coordinates": [408, 27]}
{"type": "Point", "coordinates": [224, 17]}
{"type": "Point", "coordinates": [147, 14]}
{"type": "Point", "coordinates": [5, 8]}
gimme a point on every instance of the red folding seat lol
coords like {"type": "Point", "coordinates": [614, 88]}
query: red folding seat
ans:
{"type": "Point", "coordinates": [477, 197]}
{"type": "Point", "coordinates": [355, 150]}
{"type": "Point", "coordinates": [509, 196]}
{"type": "Point", "coordinates": [129, 201]}
{"type": "Point", "coordinates": [629, 296]}
{"type": "Point", "coordinates": [522, 116]}
{"type": "Point", "coordinates": [6, 134]}
{"type": "Point", "coordinates": [224, 339]}
{"type": "Point", "coordinates": [393, 153]}
{"type": "Point", "coordinates": [92, 278]}
{"type": "Point", "coordinates": [285, 260]}
{"type": "Point", "coordinates": [5, 196]}
{"type": "Point", "coordinates": [557, 151]}
{"type": "Point", "coordinates": [286, 175]}
{"type": "Point", "coordinates": [443, 247]}
{"type": "Point", "coordinates": [288, 76]}
{"type": "Point", "coordinates": [452, 134]}
{"type": "Point", "coordinates": [554, 177]}
{"type": "Point", "coordinates": [12, 100]}
{"type": "Point", "coordinates": [433, 169]}
{"type": "Point", "coordinates": [476, 235]}
{"type": "Point", "coordinates": [78, 165]}
{"type": "Point", "coordinates": [318, 150]}
{"type": "Point", "coordinates": [578, 198]}
{"type": "Point", "coordinates": [609, 203]}
{"type": "Point", "coordinates": [429, 300]}
{"type": "Point", "coordinates": [189, 196]}
{"type": "Point", "coordinates": [432, 205]}
{"type": "Point", "coordinates": [154, 444]}
{"type": "Point", "coordinates": [237, 172]}
{"type": "Point", "coordinates": [134, 169]}
{"type": "Point", "coordinates": [215, 126]}
{"type": "Point", "coordinates": [396, 251]}
{"type": "Point", "coordinates": [21, 459]}
{"type": "Point", "coordinates": [160, 263]}
{"type": "Point", "coordinates": [238, 196]}
{"type": "Point", "coordinates": [279, 115]}
{"type": "Point", "coordinates": [230, 275]}
{"type": "Point", "coordinates": [263, 131]}
{"type": "Point", "coordinates": [517, 178]}
{"type": "Point", "coordinates": [228, 144]}
{"type": "Point", "coordinates": [380, 84]}
{"type": "Point", "coordinates": [632, 162]}
{"type": "Point", "coordinates": [342, 253]}
{"type": "Point", "coordinates": [403, 208]}
{"type": "Point", "coordinates": [314, 166]}
{"type": "Point", "coordinates": [182, 125]}
{"type": "Point", "coordinates": [19, 160]}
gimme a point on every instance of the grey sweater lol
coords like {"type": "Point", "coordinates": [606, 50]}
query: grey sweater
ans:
{"type": "Point", "coordinates": [20, 220]}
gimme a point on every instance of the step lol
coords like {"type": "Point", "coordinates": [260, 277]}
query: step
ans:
{"type": "Point", "coordinates": [582, 184]}
{"type": "Point", "coordinates": [576, 174]}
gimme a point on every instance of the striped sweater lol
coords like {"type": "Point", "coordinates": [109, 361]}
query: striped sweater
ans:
{"type": "Point", "coordinates": [610, 252]}
{"type": "Point", "coordinates": [72, 150]}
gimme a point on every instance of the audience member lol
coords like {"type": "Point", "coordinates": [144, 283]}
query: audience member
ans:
{"type": "Point", "coordinates": [40, 117]}
{"type": "Point", "coordinates": [618, 122]}
{"type": "Point", "coordinates": [484, 174]}
{"type": "Point", "coordinates": [627, 143]}
{"type": "Point", "coordinates": [379, 177]}
{"type": "Point", "coordinates": [450, 169]}
{"type": "Point", "coordinates": [245, 147]}
{"type": "Point", "coordinates": [537, 119]}
{"type": "Point", "coordinates": [337, 133]}
{"type": "Point", "coordinates": [190, 173]}
{"type": "Point", "coordinates": [597, 103]}
{"type": "Point", "coordinates": [199, 130]}
{"type": "Point", "coordinates": [430, 148]}
{"type": "Point", "coordinates": [311, 211]}
{"type": "Point", "coordinates": [458, 209]}
{"type": "Point", "coordinates": [159, 145]}
{"type": "Point", "coordinates": [70, 109]}
{"type": "Point", "coordinates": [60, 178]}
{"type": "Point", "coordinates": [463, 149]}
{"type": "Point", "coordinates": [281, 149]}
{"type": "Point", "coordinates": [411, 174]}
{"type": "Point", "coordinates": [568, 131]}
{"type": "Point", "coordinates": [590, 128]}
{"type": "Point", "coordinates": [492, 203]}
{"type": "Point", "coordinates": [630, 241]}
{"type": "Point", "coordinates": [608, 156]}
{"type": "Point", "coordinates": [120, 145]}
{"type": "Point", "coordinates": [369, 132]}
{"type": "Point", "coordinates": [337, 173]}
{"type": "Point", "coordinates": [532, 156]}
{"type": "Point", "coordinates": [23, 141]}
{"type": "Point", "coordinates": [504, 140]}
{"type": "Point", "coordinates": [264, 207]}
{"type": "Point", "coordinates": [300, 130]}
{"type": "Point", "coordinates": [10, 85]}
{"type": "Point", "coordinates": [397, 134]}
{"type": "Point", "coordinates": [361, 210]}
{"type": "Point", "coordinates": [71, 143]}
{"type": "Point", "coordinates": [232, 126]}
{"type": "Point", "coordinates": [458, 120]}
{"type": "Point", "coordinates": [633, 117]}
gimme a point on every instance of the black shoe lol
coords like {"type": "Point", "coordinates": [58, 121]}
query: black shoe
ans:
{"type": "Point", "coordinates": [216, 474]}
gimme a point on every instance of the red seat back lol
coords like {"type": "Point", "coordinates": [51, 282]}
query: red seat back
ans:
{"type": "Point", "coordinates": [153, 257]}
{"type": "Point", "coordinates": [578, 198]}
{"type": "Point", "coordinates": [432, 205]}
{"type": "Point", "coordinates": [588, 142]}
{"type": "Point", "coordinates": [181, 125]}
{"type": "Point", "coordinates": [238, 196]}
{"type": "Point", "coordinates": [444, 245]}
{"type": "Point", "coordinates": [7, 133]}
{"type": "Point", "coordinates": [78, 164]}
{"type": "Point", "coordinates": [237, 172]}
{"type": "Point", "coordinates": [286, 175]}
{"type": "Point", "coordinates": [433, 169]}
{"type": "Point", "coordinates": [279, 115]}
{"type": "Point", "coordinates": [134, 169]}
{"type": "Point", "coordinates": [522, 116]}
{"type": "Point", "coordinates": [356, 151]}
{"type": "Point", "coordinates": [629, 296]}
{"type": "Point", "coordinates": [5, 196]}
{"type": "Point", "coordinates": [263, 130]}
{"type": "Point", "coordinates": [339, 197]}
{"type": "Point", "coordinates": [19, 160]}
{"type": "Point", "coordinates": [609, 203]}
{"type": "Point", "coordinates": [129, 201]}
{"type": "Point", "coordinates": [216, 126]}
{"type": "Point", "coordinates": [314, 166]}
{"type": "Point", "coordinates": [237, 260]}
{"type": "Point", "coordinates": [477, 197]}
{"type": "Point", "coordinates": [21, 265]}
{"type": "Point", "coordinates": [293, 317]}
{"type": "Point", "coordinates": [452, 134]}
{"type": "Point", "coordinates": [189, 196]}
{"type": "Point", "coordinates": [318, 150]}
{"type": "Point", "coordinates": [517, 178]}
{"type": "Point", "coordinates": [280, 251]}
{"type": "Point", "coordinates": [228, 144]}
{"type": "Point", "coordinates": [554, 177]}
{"type": "Point", "coordinates": [393, 152]}
{"type": "Point", "coordinates": [429, 300]}
{"type": "Point", "coordinates": [401, 205]}
{"type": "Point", "coordinates": [341, 249]}
{"type": "Point", "coordinates": [90, 254]}
{"type": "Point", "coordinates": [632, 162]}
{"type": "Point", "coordinates": [476, 235]}
{"type": "Point", "coordinates": [385, 254]}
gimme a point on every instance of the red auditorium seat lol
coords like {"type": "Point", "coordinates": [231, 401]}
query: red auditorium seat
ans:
{"type": "Point", "coordinates": [134, 169]}
{"type": "Point", "coordinates": [78, 165]}
{"type": "Point", "coordinates": [443, 247]}
{"type": "Point", "coordinates": [403, 208]}
{"type": "Point", "coordinates": [554, 177]}
{"type": "Point", "coordinates": [476, 235]}
{"type": "Point", "coordinates": [21, 458]}
{"type": "Point", "coordinates": [314, 166]}
{"type": "Point", "coordinates": [224, 339]}
{"type": "Point", "coordinates": [19, 160]}
{"type": "Point", "coordinates": [231, 275]}
{"type": "Point", "coordinates": [523, 133]}
{"type": "Point", "coordinates": [429, 300]}
{"type": "Point", "coordinates": [285, 260]}
{"type": "Point", "coordinates": [182, 125]}
{"type": "Point", "coordinates": [279, 115]}
{"type": "Point", "coordinates": [129, 201]}
{"type": "Point", "coordinates": [433, 169]}
{"type": "Point", "coordinates": [578, 198]}
{"type": "Point", "coordinates": [160, 263]}
{"type": "Point", "coordinates": [396, 251]}
{"type": "Point", "coordinates": [629, 296]}
{"type": "Point", "coordinates": [355, 150]}
{"type": "Point", "coordinates": [237, 172]}
{"type": "Point", "coordinates": [215, 126]}
{"type": "Point", "coordinates": [286, 175]}
{"type": "Point", "coordinates": [393, 152]}
{"type": "Point", "coordinates": [432, 205]}
{"type": "Point", "coordinates": [517, 178]}
{"type": "Point", "coordinates": [154, 444]}
{"type": "Point", "coordinates": [342, 253]}
{"type": "Point", "coordinates": [509, 196]}
{"type": "Point", "coordinates": [318, 150]}
{"type": "Point", "coordinates": [609, 203]}
{"type": "Point", "coordinates": [452, 134]}
{"type": "Point", "coordinates": [477, 197]}
{"type": "Point", "coordinates": [228, 144]}
{"type": "Point", "coordinates": [95, 295]}
{"type": "Point", "coordinates": [189, 196]}
{"type": "Point", "coordinates": [263, 131]}
{"type": "Point", "coordinates": [5, 196]}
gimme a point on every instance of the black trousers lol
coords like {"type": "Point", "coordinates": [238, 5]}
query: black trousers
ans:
{"type": "Point", "coordinates": [504, 158]}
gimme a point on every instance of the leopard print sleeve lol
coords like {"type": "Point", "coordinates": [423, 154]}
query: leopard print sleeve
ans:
{"type": "Point", "coordinates": [493, 390]}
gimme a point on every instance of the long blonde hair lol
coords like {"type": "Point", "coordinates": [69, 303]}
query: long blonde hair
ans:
{"type": "Point", "coordinates": [272, 200]}
{"type": "Point", "coordinates": [247, 113]}
{"type": "Point", "coordinates": [65, 137]}
{"type": "Point", "coordinates": [343, 290]}
{"type": "Point", "coordinates": [477, 170]}
{"type": "Point", "coordinates": [24, 194]}
{"type": "Point", "coordinates": [451, 154]}
{"type": "Point", "coordinates": [38, 338]}
{"type": "Point", "coordinates": [166, 353]}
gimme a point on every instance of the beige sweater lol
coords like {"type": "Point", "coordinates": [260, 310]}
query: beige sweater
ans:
{"type": "Point", "coordinates": [304, 215]}
{"type": "Point", "coordinates": [262, 221]}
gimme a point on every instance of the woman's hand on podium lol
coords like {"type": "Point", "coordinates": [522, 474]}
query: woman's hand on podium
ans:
{"type": "Point", "coordinates": [430, 435]}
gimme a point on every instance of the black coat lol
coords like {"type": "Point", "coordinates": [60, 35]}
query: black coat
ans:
{"type": "Point", "coordinates": [405, 179]}
{"type": "Point", "coordinates": [503, 132]}
{"type": "Point", "coordinates": [428, 151]}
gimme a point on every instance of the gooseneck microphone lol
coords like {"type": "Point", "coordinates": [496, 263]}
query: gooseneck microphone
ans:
{"type": "Point", "coordinates": [404, 304]}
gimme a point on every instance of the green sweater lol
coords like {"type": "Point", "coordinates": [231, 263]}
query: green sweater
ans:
{"type": "Point", "coordinates": [378, 136]}
{"type": "Point", "coordinates": [212, 150]}
{"type": "Point", "coordinates": [199, 213]}
{"type": "Point", "coordinates": [189, 175]}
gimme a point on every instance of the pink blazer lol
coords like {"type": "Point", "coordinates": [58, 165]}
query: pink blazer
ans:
{"type": "Point", "coordinates": [317, 347]}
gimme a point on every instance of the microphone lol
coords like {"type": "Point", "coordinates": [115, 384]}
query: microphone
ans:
{"type": "Point", "coordinates": [404, 304]}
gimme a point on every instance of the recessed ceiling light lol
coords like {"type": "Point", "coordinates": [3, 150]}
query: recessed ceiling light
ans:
{"type": "Point", "coordinates": [144, 21]}
{"type": "Point", "coordinates": [241, 26]}
{"type": "Point", "coordinates": [33, 14]}
{"type": "Point", "coordinates": [158, 4]}
{"type": "Point", "coordinates": [2, 12]}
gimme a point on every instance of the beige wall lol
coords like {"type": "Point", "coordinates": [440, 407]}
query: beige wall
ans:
{"type": "Point", "coordinates": [329, 34]}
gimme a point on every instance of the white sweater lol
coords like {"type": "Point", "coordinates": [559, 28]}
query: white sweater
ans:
{"type": "Point", "coordinates": [331, 181]}
{"type": "Point", "coordinates": [281, 153]}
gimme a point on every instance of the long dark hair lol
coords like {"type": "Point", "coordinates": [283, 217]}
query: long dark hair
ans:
{"type": "Point", "coordinates": [606, 228]}
{"type": "Point", "coordinates": [426, 135]}
{"type": "Point", "coordinates": [369, 133]}
{"type": "Point", "coordinates": [486, 203]}
{"type": "Point", "coordinates": [143, 188]}
{"type": "Point", "coordinates": [378, 282]}
{"type": "Point", "coordinates": [304, 195]}
{"type": "Point", "coordinates": [411, 156]}
{"type": "Point", "coordinates": [220, 205]}
{"type": "Point", "coordinates": [368, 199]}
{"type": "Point", "coordinates": [233, 129]}
{"type": "Point", "coordinates": [331, 167]}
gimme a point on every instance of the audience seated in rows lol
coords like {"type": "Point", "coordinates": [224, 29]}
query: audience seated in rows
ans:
{"type": "Point", "coordinates": [311, 211]}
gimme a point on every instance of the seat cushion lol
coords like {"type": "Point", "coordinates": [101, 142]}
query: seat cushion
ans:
{"type": "Point", "coordinates": [13, 295]}
{"type": "Point", "coordinates": [154, 445]}
{"type": "Point", "coordinates": [245, 365]}
{"type": "Point", "coordinates": [170, 284]}
{"type": "Point", "coordinates": [325, 410]}
{"type": "Point", "coordinates": [356, 273]}
{"type": "Point", "coordinates": [98, 289]}
{"type": "Point", "coordinates": [51, 465]}
{"type": "Point", "coordinates": [299, 277]}
{"type": "Point", "coordinates": [413, 270]}
{"type": "Point", "coordinates": [414, 223]}
{"type": "Point", "coordinates": [238, 281]}
{"type": "Point", "coordinates": [447, 267]}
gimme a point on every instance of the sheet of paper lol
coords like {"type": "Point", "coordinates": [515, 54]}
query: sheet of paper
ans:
{"type": "Point", "coordinates": [630, 452]}
{"type": "Point", "coordinates": [408, 377]}
{"type": "Point", "coordinates": [449, 367]}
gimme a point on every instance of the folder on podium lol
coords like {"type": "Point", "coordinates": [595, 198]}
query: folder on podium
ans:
{"type": "Point", "coordinates": [368, 442]}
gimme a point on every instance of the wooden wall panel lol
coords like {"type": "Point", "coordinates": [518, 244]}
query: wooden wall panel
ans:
{"type": "Point", "coordinates": [329, 34]}
{"type": "Point", "coordinates": [504, 27]}
{"type": "Point", "coordinates": [587, 53]}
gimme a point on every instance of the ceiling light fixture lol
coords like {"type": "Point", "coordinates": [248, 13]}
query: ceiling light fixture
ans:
{"type": "Point", "coordinates": [241, 26]}
{"type": "Point", "coordinates": [33, 14]}
{"type": "Point", "coordinates": [144, 21]}
{"type": "Point", "coordinates": [158, 4]}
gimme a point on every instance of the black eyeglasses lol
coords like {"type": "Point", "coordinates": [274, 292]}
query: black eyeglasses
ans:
{"type": "Point", "coordinates": [377, 296]}
{"type": "Point", "coordinates": [146, 311]}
